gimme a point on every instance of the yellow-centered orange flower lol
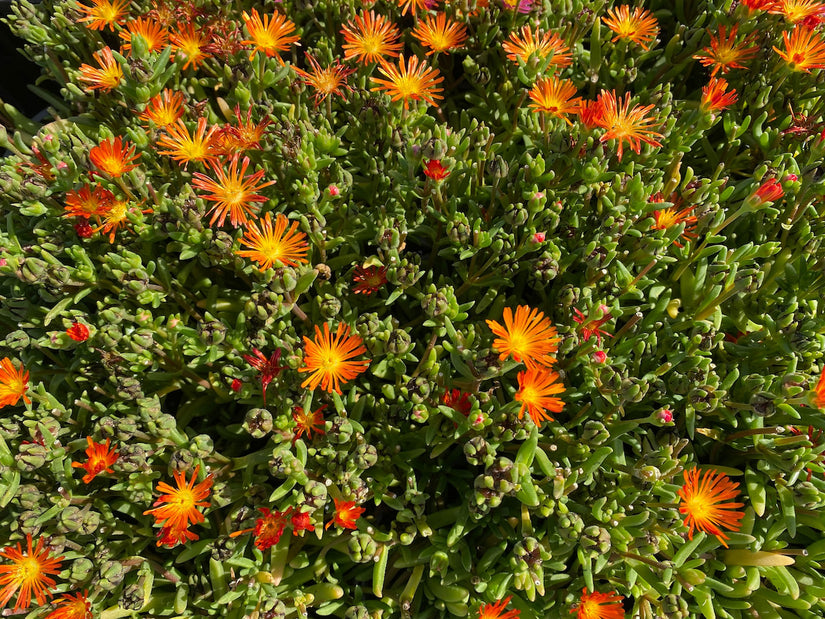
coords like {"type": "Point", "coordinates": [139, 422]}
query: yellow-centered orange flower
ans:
{"type": "Point", "coordinates": [346, 513]}
{"type": "Point", "coordinates": [29, 572]}
{"type": "Point", "coordinates": [106, 77]}
{"type": "Point", "coordinates": [624, 124]}
{"type": "Point", "coordinates": [164, 109]}
{"type": "Point", "coordinates": [274, 244]}
{"type": "Point", "coordinates": [72, 607]}
{"type": "Point", "coordinates": [233, 192]}
{"type": "Point", "coordinates": [527, 337]}
{"type": "Point", "coordinates": [370, 38]}
{"type": "Point", "coordinates": [799, 10]}
{"type": "Point", "coordinates": [150, 31]}
{"type": "Point", "coordinates": [13, 383]}
{"type": "Point", "coordinates": [804, 49]}
{"type": "Point", "coordinates": [184, 147]}
{"type": "Point", "coordinates": [87, 202]}
{"type": "Point", "coordinates": [113, 157]}
{"type": "Point", "coordinates": [326, 81]}
{"type": "Point", "coordinates": [101, 458]}
{"type": "Point", "coordinates": [599, 606]}
{"type": "Point", "coordinates": [819, 391]}
{"type": "Point", "coordinates": [640, 26]}
{"type": "Point", "coordinates": [526, 42]}
{"type": "Point", "coordinates": [555, 97]}
{"type": "Point", "coordinates": [177, 508]}
{"type": "Point", "coordinates": [725, 53]}
{"type": "Point", "coordinates": [269, 36]}
{"type": "Point", "coordinates": [496, 611]}
{"type": "Point", "coordinates": [674, 216]}
{"type": "Point", "coordinates": [704, 505]}
{"type": "Point", "coordinates": [439, 34]}
{"type": "Point", "coordinates": [330, 358]}
{"type": "Point", "coordinates": [410, 81]}
{"type": "Point", "coordinates": [103, 13]}
{"type": "Point", "coordinates": [190, 44]}
{"type": "Point", "coordinates": [114, 218]}
{"type": "Point", "coordinates": [537, 388]}
{"type": "Point", "coordinates": [307, 422]}
{"type": "Point", "coordinates": [716, 97]}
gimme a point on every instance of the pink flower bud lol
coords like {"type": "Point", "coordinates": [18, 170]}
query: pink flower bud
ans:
{"type": "Point", "coordinates": [62, 165]}
{"type": "Point", "coordinates": [599, 356]}
{"type": "Point", "coordinates": [538, 195]}
{"type": "Point", "coordinates": [790, 178]}
{"type": "Point", "coordinates": [48, 137]}
{"type": "Point", "coordinates": [769, 191]}
{"type": "Point", "coordinates": [665, 416]}
{"type": "Point", "coordinates": [333, 190]}
{"type": "Point", "coordinates": [236, 385]}
{"type": "Point", "coordinates": [3, 262]}
{"type": "Point", "coordinates": [539, 237]}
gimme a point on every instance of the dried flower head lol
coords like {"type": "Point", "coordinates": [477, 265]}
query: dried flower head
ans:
{"type": "Point", "coordinates": [526, 42]}
{"type": "Point", "coordinates": [625, 124]}
{"type": "Point", "coordinates": [269, 36]}
{"type": "Point", "coordinates": [640, 26]}
{"type": "Point", "coordinates": [29, 572]}
{"type": "Point", "coordinates": [101, 458]}
{"type": "Point", "coordinates": [599, 606]}
{"type": "Point", "coordinates": [13, 383]}
{"type": "Point", "coordinates": [528, 337]}
{"type": "Point", "coordinates": [409, 81]}
{"type": "Point", "coordinates": [346, 513]}
{"type": "Point", "coordinates": [270, 244]}
{"type": "Point", "coordinates": [330, 359]}
{"type": "Point", "coordinates": [106, 77]}
{"type": "Point", "coordinates": [440, 34]}
{"type": "Point", "coordinates": [725, 53]}
{"type": "Point", "coordinates": [103, 13]}
{"type": "Point", "coordinates": [370, 37]}
{"type": "Point", "coordinates": [269, 368]}
{"type": "Point", "coordinates": [703, 503]}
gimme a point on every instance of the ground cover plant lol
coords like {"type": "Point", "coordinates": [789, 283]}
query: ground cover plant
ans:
{"type": "Point", "coordinates": [414, 309]}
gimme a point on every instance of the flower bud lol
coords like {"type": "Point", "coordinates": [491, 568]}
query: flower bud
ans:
{"type": "Point", "coordinates": [333, 190]}
{"type": "Point", "coordinates": [665, 415]}
{"type": "Point", "coordinates": [111, 575]}
{"type": "Point", "coordinates": [539, 237]}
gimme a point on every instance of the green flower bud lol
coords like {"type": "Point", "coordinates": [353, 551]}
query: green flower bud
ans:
{"type": "Point", "coordinates": [79, 520]}
{"type": "Point", "coordinates": [762, 404]}
{"type": "Point", "coordinates": [478, 451]}
{"type": "Point", "coordinates": [81, 569]}
{"type": "Point", "coordinates": [399, 342]}
{"type": "Point", "coordinates": [596, 539]}
{"type": "Point", "coordinates": [202, 445]}
{"type": "Point", "coordinates": [31, 456]}
{"type": "Point", "coordinates": [458, 230]}
{"type": "Point", "coordinates": [497, 167]}
{"type": "Point", "coordinates": [501, 476]}
{"type": "Point", "coordinates": [362, 548]}
{"type": "Point", "coordinates": [29, 496]}
{"type": "Point", "coordinates": [314, 494]}
{"type": "Point", "coordinates": [131, 458]}
{"type": "Point", "coordinates": [131, 598]}
{"type": "Point", "coordinates": [365, 456]}
{"type": "Point", "coordinates": [111, 575]}
{"type": "Point", "coordinates": [18, 340]}
{"type": "Point", "coordinates": [420, 413]}
{"type": "Point", "coordinates": [570, 526]}
{"type": "Point", "coordinates": [258, 422]}
{"type": "Point", "coordinates": [435, 304]}
{"type": "Point", "coordinates": [340, 431]}
{"type": "Point", "coordinates": [675, 607]}
{"type": "Point", "coordinates": [439, 562]}
{"type": "Point", "coordinates": [212, 333]}
{"type": "Point", "coordinates": [329, 305]}
{"type": "Point", "coordinates": [223, 548]}
{"type": "Point", "coordinates": [182, 461]}
{"type": "Point", "coordinates": [595, 433]}
{"type": "Point", "coordinates": [357, 612]}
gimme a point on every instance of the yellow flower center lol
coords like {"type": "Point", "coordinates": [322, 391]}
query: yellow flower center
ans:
{"type": "Point", "coordinates": [117, 212]}
{"type": "Point", "coordinates": [28, 570]}
{"type": "Point", "coordinates": [184, 498]}
{"type": "Point", "coordinates": [666, 218]}
{"type": "Point", "coordinates": [439, 41]}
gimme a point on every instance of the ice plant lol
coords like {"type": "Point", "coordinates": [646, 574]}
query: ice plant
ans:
{"type": "Point", "coordinates": [78, 332]}
{"type": "Point", "coordinates": [413, 6]}
{"type": "Point", "coordinates": [103, 13]}
{"type": "Point", "coordinates": [270, 244]}
{"type": "Point", "coordinates": [804, 49]}
{"type": "Point", "coordinates": [330, 358]}
{"type": "Point", "coordinates": [716, 97]}
{"type": "Point", "coordinates": [537, 388]}
{"type": "Point", "coordinates": [705, 503]}
{"type": "Point", "coordinates": [326, 81]}
{"type": "Point", "coordinates": [769, 191]}
{"type": "Point", "coordinates": [113, 157]}
{"type": "Point", "coordinates": [307, 422]}
{"type": "Point", "coordinates": [434, 169]}
{"type": "Point", "coordinates": [269, 368]}
{"type": "Point", "coordinates": [640, 26]}
{"type": "Point", "coordinates": [370, 37]}
{"type": "Point", "coordinates": [368, 280]}
{"type": "Point", "coordinates": [528, 337]}
{"type": "Point", "coordinates": [186, 148]}
{"type": "Point", "coordinates": [526, 42]}
{"type": "Point", "coordinates": [818, 391]}
{"type": "Point", "coordinates": [409, 81]}
{"type": "Point", "coordinates": [458, 401]}
{"type": "Point", "coordinates": [152, 33]}
{"type": "Point", "coordinates": [233, 192]}
{"type": "Point", "coordinates": [87, 202]}
{"type": "Point", "coordinates": [725, 53]}
{"type": "Point", "coordinates": [599, 606]}
{"type": "Point", "coordinates": [301, 522]}
{"type": "Point", "coordinates": [114, 218]}
{"type": "Point", "coordinates": [590, 327]}
{"type": "Point", "coordinates": [72, 607]}
{"type": "Point", "coordinates": [496, 611]}
{"type": "Point", "coordinates": [346, 513]}
{"type": "Point", "coordinates": [269, 36]}
{"type": "Point", "coordinates": [190, 44]}
{"type": "Point", "coordinates": [555, 97]}
{"type": "Point", "coordinates": [670, 217]}
{"type": "Point", "coordinates": [100, 459]}
{"type": "Point", "coordinates": [177, 507]}
{"type": "Point", "coordinates": [810, 12]}
{"type": "Point", "coordinates": [624, 124]}
{"type": "Point", "coordinates": [267, 530]}
{"type": "Point", "coordinates": [106, 77]}
{"type": "Point", "coordinates": [245, 135]}
{"type": "Point", "coordinates": [29, 573]}
{"type": "Point", "coordinates": [164, 109]}
{"type": "Point", "coordinates": [440, 34]}
{"type": "Point", "coordinates": [13, 383]}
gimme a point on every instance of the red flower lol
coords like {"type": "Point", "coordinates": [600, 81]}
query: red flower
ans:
{"type": "Point", "coordinates": [301, 522]}
{"type": "Point", "coordinates": [236, 385]}
{"type": "Point", "coordinates": [345, 514]}
{"type": "Point", "coordinates": [268, 369]}
{"type": "Point", "coordinates": [78, 331]}
{"type": "Point", "coordinates": [84, 229]}
{"type": "Point", "coordinates": [458, 400]}
{"type": "Point", "coordinates": [369, 280]}
{"type": "Point", "coordinates": [435, 170]}
{"type": "Point", "coordinates": [100, 459]}
{"type": "Point", "coordinates": [589, 328]}
{"type": "Point", "coordinates": [769, 191]}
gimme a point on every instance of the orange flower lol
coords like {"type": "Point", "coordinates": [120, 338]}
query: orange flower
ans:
{"type": "Point", "coordinates": [114, 218]}
{"type": "Point", "coordinates": [269, 37]}
{"type": "Point", "coordinates": [496, 611]}
{"type": "Point", "coordinates": [345, 514]}
{"type": "Point", "coordinates": [536, 390]}
{"type": "Point", "coordinates": [714, 97]}
{"type": "Point", "coordinates": [553, 96]}
{"type": "Point", "coordinates": [151, 32]}
{"type": "Point", "coordinates": [702, 503]}
{"type": "Point", "coordinates": [804, 49]}
{"type": "Point", "coordinates": [625, 124]}
{"type": "Point", "coordinates": [100, 459]}
{"type": "Point", "coordinates": [232, 192]}
{"type": "Point", "coordinates": [69, 607]}
{"type": "Point", "coordinates": [410, 81]}
{"type": "Point", "coordinates": [674, 216]}
{"type": "Point", "coordinates": [28, 572]}
{"type": "Point", "coordinates": [590, 113]}
{"type": "Point", "coordinates": [599, 606]}
{"type": "Point", "coordinates": [369, 280]}
{"type": "Point", "coordinates": [177, 508]}
{"type": "Point", "coordinates": [307, 422]}
{"type": "Point", "coordinates": [185, 148]}
{"type": "Point", "coordinates": [440, 34]}
{"type": "Point", "coordinates": [78, 332]}
{"type": "Point", "coordinates": [246, 135]}
{"type": "Point", "coordinates": [114, 158]}
{"type": "Point", "coordinates": [269, 244]}
{"type": "Point", "coordinates": [542, 44]}
{"type": "Point", "coordinates": [370, 38]}
{"type": "Point", "coordinates": [191, 44]}
{"type": "Point", "coordinates": [164, 109]}
{"type": "Point", "coordinates": [640, 27]}
{"type": "Point", "coordinates": [267, 530]}
{"type": "Point", "coordinates": [809, 11]}
{"type": "Point", "coordinates": [329, 359]}
{"type": "Point", "coordinates": [724, 53]}
{"type": "Point", "coordinates": [819, 391]}
{"type": "Point", "coordinates": [88, 202]}
{"type": "Point", "coordinates": [328, 81]}
{"type": "Point", "coordinates": [415, 5]}
{"type": "Point", "coordinates": [103, 13]}
{"type": "Point", "coordinates": [13, 384]}
{"type": "Point", "coordinates": [105, 78]}
{"type": "Point", "coordinates": [434, 169]}
{"type": "Point", "coordinates": [529, 337]}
